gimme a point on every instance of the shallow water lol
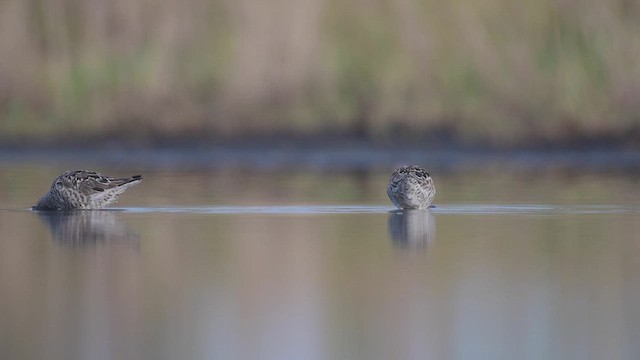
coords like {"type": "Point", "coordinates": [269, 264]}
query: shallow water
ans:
{"type": "Point", "coordinates": [232, 263]}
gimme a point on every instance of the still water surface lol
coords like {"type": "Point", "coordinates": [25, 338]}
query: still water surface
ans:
{"type": "Point", "coordinates": [238, 264]}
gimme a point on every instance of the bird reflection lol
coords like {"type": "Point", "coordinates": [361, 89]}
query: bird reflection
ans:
{"type": "Point", "coordinates": [412, 229]}
{"type": "Point", "coordinates": [86, 228]}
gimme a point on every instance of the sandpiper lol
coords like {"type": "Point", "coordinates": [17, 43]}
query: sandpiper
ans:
{"type": "Point", "coordinates": [84, 189]}
{"type": "Point", "coordinates": [411, 187]}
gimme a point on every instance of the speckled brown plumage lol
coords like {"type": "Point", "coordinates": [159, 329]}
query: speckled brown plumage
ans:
{"type": "Point", "coordinates": [84, 189]}
{"type": "Point", "coordinates": [411, 187]}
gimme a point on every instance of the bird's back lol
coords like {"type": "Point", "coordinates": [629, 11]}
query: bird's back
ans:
{"type": "Point", "coordinates": [84, 189]}
{"type": "Point", "coordinates": [411, 187]}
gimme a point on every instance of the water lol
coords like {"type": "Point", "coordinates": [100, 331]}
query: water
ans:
{"type": "Point", "coordinates": [244, 264]}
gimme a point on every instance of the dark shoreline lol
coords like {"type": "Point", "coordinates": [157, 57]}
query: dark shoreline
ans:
{"type": "Point", "coordinates": [324, 156]}
{"type": "Point", "coordinates": [437, 139]}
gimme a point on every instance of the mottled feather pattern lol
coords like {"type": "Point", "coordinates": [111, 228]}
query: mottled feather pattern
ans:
{"type": "Point", "coordinates": [411, 187]}
{"type": "Point", "coordinates": [84, 189]}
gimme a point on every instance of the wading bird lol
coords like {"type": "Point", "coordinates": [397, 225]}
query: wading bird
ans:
{"type": "Point", "coordinates": [411, 187]}
{"type": "Point", "coordinates": [83, 189]}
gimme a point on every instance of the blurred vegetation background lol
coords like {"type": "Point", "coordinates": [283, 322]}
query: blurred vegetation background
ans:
{"type": "Point", "coordinates": [499, 72]}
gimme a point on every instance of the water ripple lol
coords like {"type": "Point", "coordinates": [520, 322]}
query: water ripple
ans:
{"type": "Point", "coordinates": [453, 209]}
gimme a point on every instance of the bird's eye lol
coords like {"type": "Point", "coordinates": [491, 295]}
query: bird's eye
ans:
{"type": "Point", "coordinates": [58, 183]}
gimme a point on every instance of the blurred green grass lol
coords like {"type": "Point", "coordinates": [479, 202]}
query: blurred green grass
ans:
{"type": "Point", "coordinates": [500, 72]}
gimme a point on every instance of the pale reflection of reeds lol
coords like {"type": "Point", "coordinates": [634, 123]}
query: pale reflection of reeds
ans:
{"type": "Point", "coordinates": [413, 229]}
{"type": "Point", "coordinates": [279, 287]}
{"type": "Point", "coordinates": [82, 228]}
